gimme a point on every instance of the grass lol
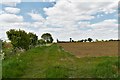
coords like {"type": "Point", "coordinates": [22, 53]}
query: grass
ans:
{"type": "Point", "coordinates": [53, 62]}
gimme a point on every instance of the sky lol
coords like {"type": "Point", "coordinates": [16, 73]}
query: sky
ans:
{"type": "Point", "coordinates": [64, 19]}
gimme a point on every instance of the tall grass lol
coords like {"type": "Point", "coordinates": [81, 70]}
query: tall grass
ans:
{"type": "Point", "coordinates": [54, 62]}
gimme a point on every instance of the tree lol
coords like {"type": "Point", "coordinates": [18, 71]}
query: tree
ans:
{"type": "Point", "coordinates": [73, 41]}
{"type": "Point", "coordinates": [33, 39]}
{"type": "Point", "coordinates": [1, 43]}
{"type": "Point", "coordinates": [47, 37]}
{"type": "Point", "coordinates": [102, 40]}
{"type": "Point", "coordinates": [51, 40]}
{"type": "Point", "coordinates": [90, 39]}
{"type": "Point", "coordinates": [19, 39]}
{"type": "Point", "coordinates": [70, 39]}
{"type": "Point", "coordinates": [97, 40]}
{"type": "Point", "coordinates": [81, 40]}
{"type": "Point", "coordinates": [111, 40]}
{"type": "Point", "coordinates": [85, 40]}
{"type": "Point", "coordinates": [57, 41]}
{"type": "Point", "coordinates": [41, 42]}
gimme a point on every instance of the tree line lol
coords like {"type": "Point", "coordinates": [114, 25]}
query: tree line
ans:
{"type": "Point", "coordinates": [71, 40]}
{"type": "Point", "coordinates": [23, 40]}
{"type": "Point", "coordinates": [86, 40]}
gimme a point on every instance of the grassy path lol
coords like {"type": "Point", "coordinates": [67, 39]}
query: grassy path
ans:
{"type": "Point", "coordinates": [53, 62]}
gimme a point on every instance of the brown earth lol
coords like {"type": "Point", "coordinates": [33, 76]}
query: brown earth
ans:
{"type": "Point", "coordinates": [91, 49]}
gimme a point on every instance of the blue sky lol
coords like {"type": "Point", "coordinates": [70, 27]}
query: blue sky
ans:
{"type": "Point", "coordinates": [63, 19]}
{"type": "Point", "coordinates": [36, 7]}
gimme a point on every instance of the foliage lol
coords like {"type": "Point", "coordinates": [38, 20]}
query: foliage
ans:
{"type": "Point", "coordinates": [13, 67]}
{"type": "Point", "coordinates": [47, 37]}
{"type": "Point", "coordinates": [33, 39]}
{"type": "Point", "coordinates": [57, 40]}
{"type": "Point", "coordinates": [20, 39]}
{"type": "Point", "coordinates": [41, 42]}
{"type": "Point", "coordinates": [1, 43]}
{"type": "Point", "coordinates": [90, 39]}
{"type": "Point", "coordinates": [85, 40]}
{"type": "Point", "coordinates": [70, 39]}
{"type": "Point", "coordinates": [82, 40]}
{"type": "Point", "coordinates": [97, 40]}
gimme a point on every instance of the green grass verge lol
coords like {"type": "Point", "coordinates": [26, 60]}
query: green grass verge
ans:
{"type": "Point", "coordinates": [53, 62]}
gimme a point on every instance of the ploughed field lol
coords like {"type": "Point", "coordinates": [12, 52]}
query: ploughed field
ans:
{"type": "Point", "coordinates": [91, 49]}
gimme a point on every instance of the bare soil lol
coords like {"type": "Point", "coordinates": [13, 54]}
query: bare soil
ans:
{"type": "Point", "coordinates": [92, 49]}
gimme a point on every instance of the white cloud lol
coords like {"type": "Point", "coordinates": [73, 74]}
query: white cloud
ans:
{"type": "Point", "coordinates": [106, 25]}
{"type": "Point", "coordinates": [2, 12]}
{"type": "Point", "coordinates": [10, 2]}
{"type": "Point", "coordinates": [69, 18]}
{"type": "Point", "coordinates": [107, 29]}
{"type": "Point", "coordinates": [76, 11]}
{"type": "Point", "coordinates": [12, 10]}
{"type": "Point", "coordinates": [35, 27]}
{"type": "Point", "coordinates": [36, 17]}
{"type": "Point", "coordinates": [65, 21]}
{"type": "Point", "coordinates": [10, 18]}
{"type": "Point", "coordinates": [90, 0]}
{"type": "Point", "coordinates": [78, 7]}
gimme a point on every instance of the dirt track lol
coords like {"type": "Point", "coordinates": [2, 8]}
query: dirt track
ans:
{"type": "Point", "coordinates": [93, 49]}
